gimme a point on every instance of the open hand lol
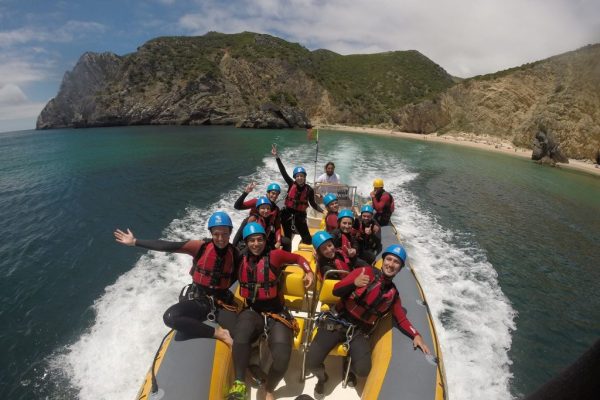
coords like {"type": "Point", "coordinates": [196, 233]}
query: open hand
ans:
{"type": "Point", "coordinates": [124, 238]}
{"type": "Point", "coordinates": [351, 252]}
{"type": "Point", "coordinates": [418, 342]}
{"type": "Point", "coordinates": [250, 187]}
{"type": "Point", "coordinates": [308, 279]}
{"type": "Point", "coordinates": [274, 149]}
{"type": "Point", "coordinates": [362, 279]}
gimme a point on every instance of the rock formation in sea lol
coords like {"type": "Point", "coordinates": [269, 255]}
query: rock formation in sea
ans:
{"type": "Point", "coordinates": [546, 149]}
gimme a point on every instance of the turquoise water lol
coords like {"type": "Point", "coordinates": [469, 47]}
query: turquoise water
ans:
{"type": "Point", "coordinates": [506, 250]}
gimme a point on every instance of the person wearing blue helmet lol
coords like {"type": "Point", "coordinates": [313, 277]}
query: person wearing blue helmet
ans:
{"type": "Point", "coordinates": [299, 196]}
{"type": "Point", "coordinates": [330, 258]}
{"type": "Point", "coordinates": [259, 277]}
{"type": "Point", "coordinates": [272, 221]}
{"type": "Point", "coordinates": [343, 238]}
{"type": "Point", "coordinates": [270, 224]}
{"type": "Point", "coordinates": [330, 201]}
{"type": "Point", "coordinates": [214, 270]}
{"type": "Point", "coordinates": [367, 233]}
{"type": "Point", "coordinates": [366, 294]}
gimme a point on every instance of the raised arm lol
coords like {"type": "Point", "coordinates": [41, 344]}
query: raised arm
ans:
{"type": "Point", "coordinates": [190, 247]}
{"type": "Point", "coordinates": [311, 200]}
{"type": "Point", "coordinates": [282, 170]}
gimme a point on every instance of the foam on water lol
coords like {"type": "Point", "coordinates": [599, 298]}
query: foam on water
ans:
{"type": "Point", "coordinates": [111, 359]}
{"type": "Point", "coordinates": [473, 317]}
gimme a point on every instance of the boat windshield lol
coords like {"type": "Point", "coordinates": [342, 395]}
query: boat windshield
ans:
{"type": "Point", "coordinates": [346, 194]}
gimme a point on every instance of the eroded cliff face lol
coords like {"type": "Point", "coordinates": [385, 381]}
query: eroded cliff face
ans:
{"type": "Point", "coordinates": [247, 80]}
{"type": "Point", "coordinates": [560, 95]}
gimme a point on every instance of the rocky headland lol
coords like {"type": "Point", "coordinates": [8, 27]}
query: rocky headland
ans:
{"type": "Point", "coordinates": [260, 81]}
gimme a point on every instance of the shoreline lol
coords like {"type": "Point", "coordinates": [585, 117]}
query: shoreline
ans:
{"type": "Point", "coordinates": [483, 142]}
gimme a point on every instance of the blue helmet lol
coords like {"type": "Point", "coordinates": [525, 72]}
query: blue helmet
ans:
{"type": "Point", "coordinates": [275, 187]}
{"type": "Point", "coordinates": [220, 218]}
{"type": "Point", "coordinates": [319, 238]}
{"type": "Point", "coordinates": [346, 214]}
{"type": "Point", "coordinates": [395, 250]}
{"type": "Point", "coordinates": [367, 208]}
{"type": "Point", "coordinates": [329, 197]}
{"type": "Point", "coordinates": [299, 170]}
{"type": "Point", "coordinates": [262, 201]}
{"type": "Point", "coordinates": [252, 228]}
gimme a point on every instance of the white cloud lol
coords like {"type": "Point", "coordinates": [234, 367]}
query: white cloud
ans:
{"type": "Point", "coordinates": [11, 94]}
{"type": "Point", "coordinates": [28, 110]}
{"type": "Point", "coordinates": [67, 32]}
{"type": "Point", "coordinates": [465, 37]}
{"type": "Point", "coordinates": [15, 71]}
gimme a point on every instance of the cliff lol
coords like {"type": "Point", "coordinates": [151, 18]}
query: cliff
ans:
{"type": "Point", "coordinates": [560, 95]}
{"type": "Point", "coordinates": [246, 79]}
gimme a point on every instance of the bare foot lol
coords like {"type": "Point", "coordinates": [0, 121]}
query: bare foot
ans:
{"type": "Point", "coordinates": [269, 396]}
{"type": "Point", "coordinates": [223, 335]}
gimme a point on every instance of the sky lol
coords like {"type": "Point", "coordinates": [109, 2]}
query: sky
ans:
{"type": "Point", "coordinates": [41, 40]}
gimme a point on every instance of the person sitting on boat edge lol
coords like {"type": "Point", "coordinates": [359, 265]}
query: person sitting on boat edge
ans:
{"type": "Point", "coordinates": [214, 270]}
{"type": "Point", "coordinates": [330, 201]}
{"type": "Point", "coordinates": [366, 295]}
{"type": "Point", "coordinates": [258, 276]}
{"type": "Point", "coordinates": [367, 233]}
{"type": "Point", "coordinates": [383, 203]}
{"type": "Point", "coordinates": [329, 176]}
{"type": "Point", "coordinates": [298, 197]}
{"type": "Point", "coordinates": [330, 258]}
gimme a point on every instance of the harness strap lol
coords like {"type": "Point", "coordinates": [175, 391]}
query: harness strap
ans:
{"type": "Point", "coordinates": [290, 323]}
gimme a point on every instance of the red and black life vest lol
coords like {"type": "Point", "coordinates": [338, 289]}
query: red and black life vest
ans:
{"type": "Point", "coordinates": [211, 269]}
{"type": "Point", "coordinates": [339, 262]}
{"type": "Point", "coordinates": [371, 302]}
{"type": "Point", "coordinates": [329, 227]}
{"type": "Point", "coordinates": [257, 280]}
{"type": "Point", "coordinates": [297, 198]}
{"type": "Point", "coordinates": [388, 207]}
{"type": "Point", "coordinates": [267, 223]}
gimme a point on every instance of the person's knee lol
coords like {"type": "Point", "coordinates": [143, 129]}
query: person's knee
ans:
{"type": "Point", "coordinates": [170, 316]}
{"type": "Point", "coordinates": [281, 356]}
{"type": "Point", "coordinates": [362, 366]}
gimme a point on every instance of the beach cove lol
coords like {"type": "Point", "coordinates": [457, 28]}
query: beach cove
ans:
{"type": "Point", "coordinates": [481, 142]}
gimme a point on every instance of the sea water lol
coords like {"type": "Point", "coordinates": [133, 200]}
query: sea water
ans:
{"type": "Point", "coordinates": [506, 250]}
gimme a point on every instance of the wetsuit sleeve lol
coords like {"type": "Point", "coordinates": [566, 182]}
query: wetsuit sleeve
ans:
{"type": "Point", "coordinates": [344, 287]}
{"type": "Point", "coordinates": [240, 204]}
{"type": "Point", "coordinates": [330, 222]}
{"type": "Point", "coordinates": [284, 173]}
{"type": "Point", "coordinates": [190, 247]}
{"type": "Point", "coordinates": [311, 200]}
{"type": "Point", "coordinates": [403, 322]}
{"type": "Point", "coordinates": [279, 258]}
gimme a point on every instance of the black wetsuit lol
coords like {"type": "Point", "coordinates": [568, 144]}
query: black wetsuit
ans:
{"type": "Point", "coordinates": [189, 315]}
{"type": "Point", "coordinates": [290, 217]}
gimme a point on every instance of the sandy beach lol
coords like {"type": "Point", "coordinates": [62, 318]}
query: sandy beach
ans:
{"type": "Point", "coordinates": [482, 142]}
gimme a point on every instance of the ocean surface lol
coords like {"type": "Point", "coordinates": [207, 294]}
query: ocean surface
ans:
{"type": "Point", "coordinates": [507, 251]}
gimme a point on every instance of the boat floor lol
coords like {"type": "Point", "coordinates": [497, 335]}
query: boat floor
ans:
{"type": "Point", "coordinates": [290, 386]}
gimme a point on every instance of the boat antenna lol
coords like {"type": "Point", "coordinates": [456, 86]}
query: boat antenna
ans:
{"type": "Point", "coordinates": [316, 155]}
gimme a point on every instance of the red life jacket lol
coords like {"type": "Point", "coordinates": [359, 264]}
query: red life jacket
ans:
{"type": "Point", "coordinates": [267, 223]}
{"type": "Point", "coordinates": [388, 207]}
{"type": "Point", "coordinates": [371, 302]}
{"type": "Point", "coordinates": [331, 221]}
{"type": "Point", "coordinates": [346, 243]}
{"type": "Point", "coordinates": [297, 198]}
{"type": "Point", "coordinates": [257, 281]}
{"type": "Point", "coordinates": [340, 262]}
{"type": "Point", "coordinates": [211, 270]}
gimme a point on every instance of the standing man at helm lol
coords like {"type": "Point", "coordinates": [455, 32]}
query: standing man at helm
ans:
{"type": "Point", "coordinates": [383, 203]}
{"type": "Point", "coordinates": [299, 196]}
{"type": "Point", "coordinates": [329, 176]}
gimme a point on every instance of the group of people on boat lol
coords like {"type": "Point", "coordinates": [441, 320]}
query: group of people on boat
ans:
{"type": "Point", "coordinates": [255, 261]}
